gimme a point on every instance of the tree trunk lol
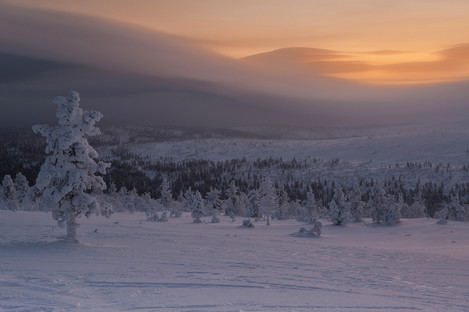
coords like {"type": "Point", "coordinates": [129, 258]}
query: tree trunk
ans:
{"type": "Point", "coordinates": [72, 226]}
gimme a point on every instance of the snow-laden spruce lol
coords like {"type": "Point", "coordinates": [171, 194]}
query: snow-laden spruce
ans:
{"type": "Point", "coordinates": [67, 180]}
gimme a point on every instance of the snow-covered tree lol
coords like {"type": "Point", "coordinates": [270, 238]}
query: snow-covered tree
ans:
{"type": "Point", "coordinates": [269, 199]}
{"type": "Point", "coordinates": [254, 204]}
{"type": "Point", "coordinates": [198, 210]}
{"type": "Point", "coordinates": [213, 204]}
{"type": "Point", "coordinates": [312, 210]}
{"type": "Point", "coordinates": [232, 201]}
{"type": "Point", "coordinates": [356, 205]}
{"type": "Point", "coordinates": [166, 198]}
{"type": "Point", "coordinates": [9, 195]}
{"type": "Point", "coordinates": [339, 214]}
{"type": "Point", "coordinates": [22, 187]}
{"type": "Point", "coordinates": [416, 210]}
{"type": "Point", "coordinates": [454, 210]}
{"type": "Point", "coordinates": [283, 204]}
{"type": "Point", "coordinates": [67, 179]}
{"type": "Point", "coordinates": [151, 207]}
{"type": "Point", "coordinates": [377, 204]}
{"type": "Point", "coordinates": [242, 207]}
{"type": "Point", "coordinates": [188, 200]}
{"type": "Point", "coordinates": [391, 214]}
{"type": "Point", "coordinates": [177, 206]}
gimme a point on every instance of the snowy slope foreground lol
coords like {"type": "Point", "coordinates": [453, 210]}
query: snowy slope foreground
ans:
{"type": "Point", "coordinates": [128, 264]}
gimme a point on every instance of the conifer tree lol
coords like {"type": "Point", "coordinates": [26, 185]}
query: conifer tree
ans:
{"type": "Point", "coordinates": [166, 198]}
{"type": "Point", "coordinates": [356, 205]}
{"type": "Point", "coordinates": [338, 208]}
{"type": "Point", "coordinates": [213, 204]}
{"type": "Point", "coordinates": [67, 179]}
{"type": "Point", "coordinates": [232, 201]}
{"type": "Point", "coordinates": [198, 210]}
{"type": "Point", "coordinates": [377, 204]}
{"type": "Point", "coordinates": [391, 214]}
{"type": "Point", "coordinates": [9, 195]}
{"type": "Point", "coordinates": [21, 187]}
{"type": "Point", "coordinates": [269, 199]}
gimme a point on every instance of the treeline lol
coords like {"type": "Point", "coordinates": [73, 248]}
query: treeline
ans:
{"type": "Point", "coordinates": [135, 172]}
{"type": "Point", "coordinates": [23, 152]}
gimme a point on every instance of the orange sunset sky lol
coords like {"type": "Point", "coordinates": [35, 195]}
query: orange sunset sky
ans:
{"type": "Point", "coordinates": [371, 41]}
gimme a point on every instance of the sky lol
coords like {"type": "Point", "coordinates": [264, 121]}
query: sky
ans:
{"type": "Point", "coordinates": [349, 61]}
{"type": "Point", "coordinates": [387, 42]}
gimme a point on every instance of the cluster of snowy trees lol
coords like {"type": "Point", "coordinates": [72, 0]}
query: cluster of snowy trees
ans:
{"type": "Point", "coordinates": [268, 202]}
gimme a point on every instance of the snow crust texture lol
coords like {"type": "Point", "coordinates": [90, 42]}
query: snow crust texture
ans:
{"type": "Point", "coordinates": [129, 264]}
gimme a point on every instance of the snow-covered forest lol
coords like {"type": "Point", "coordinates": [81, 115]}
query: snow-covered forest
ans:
{"type": "Point", "coordinates": [147, 174]}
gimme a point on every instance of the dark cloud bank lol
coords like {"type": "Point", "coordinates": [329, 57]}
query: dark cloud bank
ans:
{"type": "Point", "coordinates": [136, 76]}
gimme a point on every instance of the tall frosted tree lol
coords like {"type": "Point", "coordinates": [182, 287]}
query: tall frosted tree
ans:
{"type": "Point", "coordinates": [9, 195]}
{"type": "Point", "coordinates": [21, 186]}
{"type": "Point", "coordinates": [338, 208]}
{"type": "Point", "coordinates": [67, 179]}
{"type": "Point", "coordinates": [213, 204]}
{"type": "Point", "coordinates": [254, 204]}
{"type": "Point", "coordinates": [356, 205]}
{"type": "Point", "coordinates": [454, 210]}
{"type": "Point", "coordinates": [166, 194]}
{"type": "Point", "coordinates": [232, 201]}
{"type": "Point", "coordinates": [269, 199]}
{"type": "Point", "coordinates": [391, 214]}
{"type": "Point", "coordinates": [198, 210]}
{"type": "Point", "coordinates": [377, 204]}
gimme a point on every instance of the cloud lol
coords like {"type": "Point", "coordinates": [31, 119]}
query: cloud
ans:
{"type": "Point", "coordinates": [387, 52]}
{"type": "Point", "coordinates": [136, 75]}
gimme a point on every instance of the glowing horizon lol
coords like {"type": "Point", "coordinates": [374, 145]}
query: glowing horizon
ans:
{"type": "Point", "coordinates": [401, 42]}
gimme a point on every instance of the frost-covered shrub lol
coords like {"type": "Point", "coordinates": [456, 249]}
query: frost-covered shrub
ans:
{"type": "Point", "coordinates": [315, 231]}
{"type": "Point", "coordinates": [164, 217]}
{"type": "Point", "coordinates": [153, 217]}
{"type": "Point", "coordinates": [67, 182]}
{"type": "Point", "coordinates": [175, 209]}
{"type": "Point", "coordinates": [247, 224]}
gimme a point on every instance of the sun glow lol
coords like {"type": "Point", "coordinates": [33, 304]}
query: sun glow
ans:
{"type": "Point", "coordinates": [387, 42]}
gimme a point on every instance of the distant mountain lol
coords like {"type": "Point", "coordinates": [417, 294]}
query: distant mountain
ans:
{"type": "Point", "coordinates": [135, 75]}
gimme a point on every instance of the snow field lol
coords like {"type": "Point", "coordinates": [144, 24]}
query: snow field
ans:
{"type": "Point", "coordinates": [128, 264]}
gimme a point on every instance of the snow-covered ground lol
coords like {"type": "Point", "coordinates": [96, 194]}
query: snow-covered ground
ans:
{"type": "Point", "coordinates": [128, 264]}
{"type": "Point", "coordinates": [436, 143]}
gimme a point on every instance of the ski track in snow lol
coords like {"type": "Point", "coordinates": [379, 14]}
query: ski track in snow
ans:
{"type": "Point", "coordinates": [133, 265]}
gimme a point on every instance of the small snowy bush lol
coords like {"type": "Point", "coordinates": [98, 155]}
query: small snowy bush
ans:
{"type": "Point", "coordinates": [315, 231]}
{"type": "Point", "coordinates": [247, 224]}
